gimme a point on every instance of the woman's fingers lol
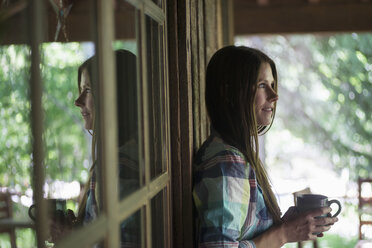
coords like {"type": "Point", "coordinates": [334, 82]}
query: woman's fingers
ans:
{"type": "Point", "coordinates": [319, 212]}
{"type": "Point", "coordinates": [56, 230]}
{"type": "Point", "coordinates": [326, 221]}
{"type": "Point", "coordinates": [323, 224]}
{"type": "Point", "coordinates": [70, 216]}
{"type": "Point", "coordinates": [310, 225]}
{"type": "Point", "coordinates": [61, 224]}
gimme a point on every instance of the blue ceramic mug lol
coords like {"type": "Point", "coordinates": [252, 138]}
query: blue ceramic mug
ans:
{"type": "Point", "coordinates": [311, 201]}
{"type": "Point", "coordinates": [53, 205]}
{"type": "Point", "coordinates": [308, 202]}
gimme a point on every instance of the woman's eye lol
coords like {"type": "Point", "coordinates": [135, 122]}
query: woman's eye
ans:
{"type": "Point", "coordinates": [261, 85]}
{"type": "Point", "coordinates": [87, 90]}
{"type": "Point", "coordinates": [273, 86]}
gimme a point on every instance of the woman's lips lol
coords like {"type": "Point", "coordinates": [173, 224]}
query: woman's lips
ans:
{"type": "Point", "coordinates": [267, 109]}
{"type": "Point", "coordinates": [85, 114]}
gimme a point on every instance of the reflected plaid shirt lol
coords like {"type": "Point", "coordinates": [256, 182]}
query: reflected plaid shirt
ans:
{"type": "Point", "coordinates": [91, 208]}
{"type": "Point", "coordinates": [229, 202]}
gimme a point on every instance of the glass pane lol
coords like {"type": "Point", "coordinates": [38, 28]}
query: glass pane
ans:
{"type": "Point", "coordinates": [15, 127]}
{"type": "Point", "coordinates": [70, 131]}
{"type": "Point", "coordinates": [70, 97]}
{"type": "Point", "coordinates": [156, 98]}
{"type": "Point", "coordinates": [15, 142]}
{"type": "Point", "coordinates": [126, 54]}
{"type": "Point", "coordinates": [67, 143]}
{"type": "Point", "coordinates": [158, 208]}
{"type": "Point", "coordinates": [130, 231]}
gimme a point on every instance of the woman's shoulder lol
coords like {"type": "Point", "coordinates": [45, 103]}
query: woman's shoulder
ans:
{"type": "Point", "coordinates": [215, 151]}
{"type": "Point", "coordinates": [214, 145]}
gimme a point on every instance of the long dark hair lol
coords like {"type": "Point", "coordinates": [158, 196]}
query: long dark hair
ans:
{"type": "Point", "coordinates": [126, 78]}
{"type": "Point", "coordinates": [231, 84]}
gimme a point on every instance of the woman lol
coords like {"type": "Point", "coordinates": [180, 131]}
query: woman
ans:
{"type": "Point", "coordinates": [127, 141]}
{"type": "Point", "coordinates": [126, 114]}
{"type": "Point", "coordinates": [235, 204]}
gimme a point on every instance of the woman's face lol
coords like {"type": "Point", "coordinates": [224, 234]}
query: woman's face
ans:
{"type": "Point", "coordinates": [265, 95]}
{"type": "Point", "coordinates": [85, 100]}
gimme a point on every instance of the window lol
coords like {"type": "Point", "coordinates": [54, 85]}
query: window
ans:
{"type": "Point", "coordinates": [131, 117]}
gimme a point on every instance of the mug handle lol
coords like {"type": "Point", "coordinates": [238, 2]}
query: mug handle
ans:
{"type": "Point", "coordinates": [329, 203]}
{"type": "Point", "coordinates": [30, 212]}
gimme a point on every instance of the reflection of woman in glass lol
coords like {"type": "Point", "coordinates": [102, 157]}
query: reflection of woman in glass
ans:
{"type": "Point", "coordinates": [232, 193]}
{"type": "Point", "coordinates": [127, 141]}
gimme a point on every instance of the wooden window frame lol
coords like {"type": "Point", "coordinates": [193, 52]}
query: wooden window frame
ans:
{"type": "Point", "coordinates": [106, 226]}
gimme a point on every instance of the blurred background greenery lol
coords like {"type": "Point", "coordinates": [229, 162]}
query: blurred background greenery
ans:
{"type": "Point", "coordinates": [67, 144]}
{"type": "Point", "coordinates": [321, 136]}
{"type": "Point", "coordinates": [325, 93]}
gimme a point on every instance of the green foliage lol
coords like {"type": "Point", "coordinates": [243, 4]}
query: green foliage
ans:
{"type": "Point", "coordinates": [65, 143]}
{"type": "Point", "coordinates": [349, 57]}
{"type": "Point", "coordinates": [325, 92]}
{"type": "Point", "coordinates": [328, 241]}
{"type": "Point", "coordinates": [334, 240]}
{"type": "Point", "coordinates": [25, 238]}
{"type": "Point", "coordinates": [66, 146]}
{"type": "Point", "coordinates": [127, 45]}
{"type": "Point", "coordinates": [15, 147]}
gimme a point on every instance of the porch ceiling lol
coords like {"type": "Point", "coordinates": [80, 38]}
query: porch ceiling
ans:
{"type": "Point", "coordinates": [301, 16]}
{"type": "Point", "coordinates": [80, 21]}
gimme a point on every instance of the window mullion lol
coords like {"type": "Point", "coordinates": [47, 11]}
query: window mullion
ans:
{"type": "Point", "coordinates": [154, 11]}
{"type": "Point", "coordinates": [36, 20]}
{"type": "Point", "coordinates": [146, 123]}
{"type": "Point", "coordinates": [108, 120]}
{"type": "Point", "coordinates": [145, 99]}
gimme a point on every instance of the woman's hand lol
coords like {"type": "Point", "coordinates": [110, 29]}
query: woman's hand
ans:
{"type": "Point", "coordinates": [290, 214]}
{"type": "Point", "coordinates": [61, 224]}
{"type": "Point", "coordinates": [296, 227]}
{"type": "Point", "coordinates": [305, 226]}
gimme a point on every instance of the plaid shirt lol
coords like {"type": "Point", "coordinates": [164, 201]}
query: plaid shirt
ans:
{"type": "Point", "coordinates": [128, 183]}
{"type": "Point", "coordinates": [229, 202]}
{"type": "Point", "coordinates": [91, 208]}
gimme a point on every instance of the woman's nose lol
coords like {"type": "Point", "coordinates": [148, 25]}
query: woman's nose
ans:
{"type": "Point", "coordinates": [79, 101]}
{"type": "Point", "coordinates": [273, 95]}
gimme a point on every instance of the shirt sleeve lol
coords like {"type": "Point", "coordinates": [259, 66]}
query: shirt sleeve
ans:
{"type": "Point", "coordinates": [221, 195]}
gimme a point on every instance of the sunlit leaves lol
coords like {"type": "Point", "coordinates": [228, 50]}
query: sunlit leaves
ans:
{"type": "Point", "coordinates": [348, 57]}
{"type": "Point", "coordinates": [325, 94]}
{"type": "Point", "coordinates": [66, 147]}
{"type": "Point", "coordinates": [323, 68]}
{"type": "Point", "coordinates": [14, 115]}
{"type": "Point", "coordinates": [362, 58]}
{"type": "Point", "coordinates": [63, 133]}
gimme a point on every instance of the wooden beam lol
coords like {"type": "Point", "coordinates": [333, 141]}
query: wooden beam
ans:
{"type": "Point", "coordinates": [35, 19]}
{"type": "Point", "coordinates": [302, 18]}
{"type": "Point", "coordinates": [14, 30]}
{"type": "Point", "coordinates": [180, 97]}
